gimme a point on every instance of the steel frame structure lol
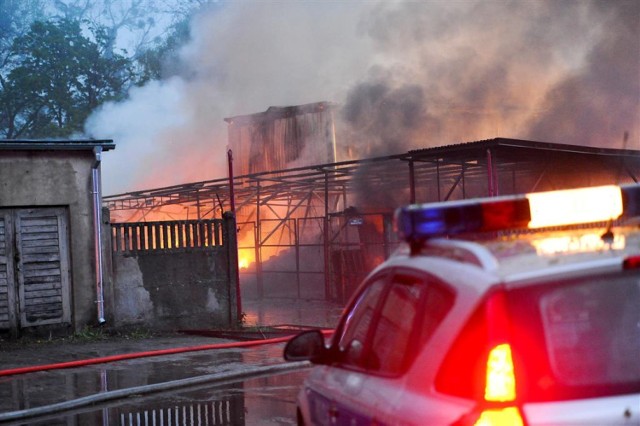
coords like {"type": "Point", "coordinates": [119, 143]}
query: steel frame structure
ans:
{"type": "Point", "coordinates": [484, 168]}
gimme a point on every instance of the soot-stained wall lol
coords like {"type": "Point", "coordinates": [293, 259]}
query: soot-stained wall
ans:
{"type": "Point", "coordinates": [172, 290]}
{"type": "Point", "coordinates": [189, 284]}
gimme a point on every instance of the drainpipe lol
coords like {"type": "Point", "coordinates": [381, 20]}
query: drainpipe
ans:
{"type": "Point", "coordinates": [97, 229]}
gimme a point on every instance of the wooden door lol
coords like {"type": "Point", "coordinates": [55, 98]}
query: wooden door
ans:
{"type": "Point", "coordinates": [43, 266]}
{"type": "Point", "coordinates": [34, 267]}
{"type": "Point", "coordinates": [8, 320]}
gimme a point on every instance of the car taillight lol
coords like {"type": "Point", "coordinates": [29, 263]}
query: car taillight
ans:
{"type": "Point", "coordinates": [501, 379]}
{"type": "Point", "coordinates": [509, 416]}
{"type": "Point", "coordinates": [500, 386]}
{"type": "Point", "coordinates": [500, 376]}
{"type": "Point", "coordinates": [486, 334]}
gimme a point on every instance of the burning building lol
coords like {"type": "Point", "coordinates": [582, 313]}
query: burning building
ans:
{"type": "Point", "coordinates": [282, 138]}
{"type": "Point", "coordinates": [311, 224]}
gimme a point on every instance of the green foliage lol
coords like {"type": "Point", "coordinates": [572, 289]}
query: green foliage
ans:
{"type": "Point", "coordinates": [58, 60]}
{"type": "Point", "coordinates": [157, 62]}
{"type": "Point", "coordinates": [56, 77]}
{"type": "Point", "coordinates": [15, 18]}
{"type": "Point", "coordinates": [97, 333]}
{"type": "Point", "coordinates": [89, 334]}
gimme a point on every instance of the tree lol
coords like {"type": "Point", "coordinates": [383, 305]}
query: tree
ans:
{"type": "Point", "coordinates": [160, 61]}
{"type": "Point", "coordinates": [56, 78]}
{"type": "Point", "coordinates": [60, 59]}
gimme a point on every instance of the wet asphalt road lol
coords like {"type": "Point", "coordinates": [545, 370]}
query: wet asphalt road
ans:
{"type": "Point", "coordinates": [265, 398]}
{"type": "Point", "coordinates": [261, 399]}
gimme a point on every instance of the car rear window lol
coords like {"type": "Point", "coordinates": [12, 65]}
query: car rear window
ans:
{"type": "Point", "coordinates": [592, 331]}
{"type": "Point", "coordinates": [579, 337]}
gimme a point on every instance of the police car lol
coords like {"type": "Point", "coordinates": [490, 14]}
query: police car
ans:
{"type": "Point", "coordinates": [516, 310]}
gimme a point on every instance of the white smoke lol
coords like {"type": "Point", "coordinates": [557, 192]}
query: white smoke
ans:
{"type": "Point", "coordinates": [242, 59]}
{"type": "Point", "coordinates": [409, 74]}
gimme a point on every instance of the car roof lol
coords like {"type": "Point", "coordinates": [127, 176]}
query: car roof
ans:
{"type": "Point", "coordinates": [522, 257]}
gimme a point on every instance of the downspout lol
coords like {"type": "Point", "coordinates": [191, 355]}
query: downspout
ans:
{"type": "Point", "coordinates": [97, 230]}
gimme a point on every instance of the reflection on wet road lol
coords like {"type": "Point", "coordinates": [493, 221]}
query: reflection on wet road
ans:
{"type": "Point", "coordinates": [259, 401]}
{"type": "Point", "coordinates": [265, 400]}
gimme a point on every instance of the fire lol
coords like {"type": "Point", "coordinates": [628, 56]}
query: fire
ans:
{"type": "Point", "coordinates": [243, 263]}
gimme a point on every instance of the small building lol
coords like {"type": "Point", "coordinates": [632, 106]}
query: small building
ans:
{"type": "Point", "coordinates": [52, 254]}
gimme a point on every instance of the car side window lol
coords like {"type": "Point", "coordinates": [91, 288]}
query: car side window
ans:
{"type": "Point", "coordinates": [413, 309]}
{"type": "Point", "coordinates": [438, 301]}
{"type": "Point", "coordinates": [358, 323]}
{"type": "Point", "coordinates": [391, 320]}
{"type": "Point", "coordinates": [396, 328]}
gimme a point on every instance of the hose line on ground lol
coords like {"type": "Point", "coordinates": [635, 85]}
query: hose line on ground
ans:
{"type": "Point", "coordinates": [218, 378]}
{"type": "Point", "coordinates": [122, 357]}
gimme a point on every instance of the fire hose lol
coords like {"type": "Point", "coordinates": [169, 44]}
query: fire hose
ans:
{"type": "Point", "coordinates": [221, 377]}
{"type": "Point", "coordinates": [122, 357]}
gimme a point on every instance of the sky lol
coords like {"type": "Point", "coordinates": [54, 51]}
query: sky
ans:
{"type": "Point", "coordinates": [404, 74]}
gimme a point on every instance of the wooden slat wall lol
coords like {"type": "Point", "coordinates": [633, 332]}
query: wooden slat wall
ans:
{"type": "Point", "coordinates": [40, 269]}
{"type": "Point", "coordinates": [4, 282]}
{"type": "Point", "coordinates": [42, 265]}
{"type": "Point", "coordinates": [166, 236]}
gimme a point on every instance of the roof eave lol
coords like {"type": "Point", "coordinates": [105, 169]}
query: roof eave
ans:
{"type": "Point", "coordinates": [54, 145]}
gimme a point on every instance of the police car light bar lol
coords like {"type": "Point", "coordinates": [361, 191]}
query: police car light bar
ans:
{"type": "Point", "coordinates": [528, 211]}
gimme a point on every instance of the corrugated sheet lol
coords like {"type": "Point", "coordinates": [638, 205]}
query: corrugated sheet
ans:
{"type": "Point", "coordinates": [281, 138]}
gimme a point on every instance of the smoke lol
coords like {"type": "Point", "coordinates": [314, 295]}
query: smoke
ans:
{"type": "Point", "coordinates": [408, 75]}
{"type": "Point", "coordinates": [243, 58]}
{"type": "Point", "coordinates": [565, 72]}
{"type": "Point", "coordinates": [601, 103]}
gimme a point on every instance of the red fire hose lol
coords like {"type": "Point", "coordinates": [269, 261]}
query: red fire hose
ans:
{"type": "Point", "coordinates": [121, 357]}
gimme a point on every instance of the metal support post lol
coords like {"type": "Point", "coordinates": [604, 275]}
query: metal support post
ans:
{"type": "Point", "coordinates": [327, 263]}
{"type": "Point", "coordinates": [412, 184]}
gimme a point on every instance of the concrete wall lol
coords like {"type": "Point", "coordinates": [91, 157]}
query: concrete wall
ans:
{"type": "Point", "coordinates": [171, 290]}
{"type": "Point", "coordinates": [191, 286]}
{"type": "Point", "coordinates": [43, 178]}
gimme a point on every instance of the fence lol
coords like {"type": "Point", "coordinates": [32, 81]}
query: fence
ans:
{"type": "Point", "coordinates": [173, 235]}
{"type": "Point", "coordinates": [175, 274]}
{"type": "Point", "coordinates": [292, 259]}
{"type": "Point", "coordinates": [220, 413]}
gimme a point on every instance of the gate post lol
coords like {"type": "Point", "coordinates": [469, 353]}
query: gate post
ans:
{"type": "Point", "coordinates": [230, 241]}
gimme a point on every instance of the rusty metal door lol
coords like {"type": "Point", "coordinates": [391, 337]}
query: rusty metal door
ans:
{"type": "Point", "coordinates": [34, 268]}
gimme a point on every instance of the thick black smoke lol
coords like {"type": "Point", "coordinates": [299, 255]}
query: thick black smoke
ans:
{"type": "Point", "coordinates": [600, 104]}
{"type": "Point", "coordinates": [566, 72]}
{"type": "Point", "coordinates": [555, 71]}
{"type": "Point", "coordinates": [393, 115]}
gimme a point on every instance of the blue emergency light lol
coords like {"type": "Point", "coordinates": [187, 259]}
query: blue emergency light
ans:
{"type": "Point", "coordinates": [527, 211]}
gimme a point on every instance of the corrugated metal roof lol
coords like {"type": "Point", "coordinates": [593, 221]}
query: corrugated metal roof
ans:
{"type": "Point", "coordinates": [55, 144]}
{"type": "Point", "coordinates": [522, 144]}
